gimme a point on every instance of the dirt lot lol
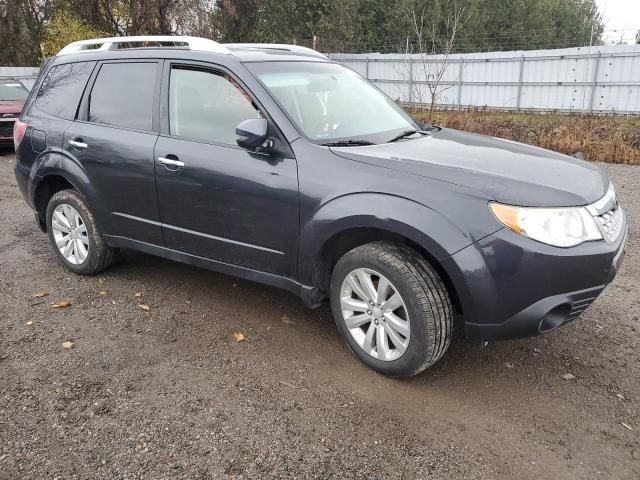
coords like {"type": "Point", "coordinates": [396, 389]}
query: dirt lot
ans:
{"type": "Point", "coordinates": [169, 394]}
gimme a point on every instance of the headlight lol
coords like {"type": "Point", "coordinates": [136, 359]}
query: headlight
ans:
{"type": "Point", "coordinates": [561, 227]}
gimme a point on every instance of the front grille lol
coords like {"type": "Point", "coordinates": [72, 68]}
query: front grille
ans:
{"type": "Point", "coordinates": [608, 215]}
{"type": "Point", "coordinates": [6, 129]}
{"type": "Point", "coordinates": [610, 224]}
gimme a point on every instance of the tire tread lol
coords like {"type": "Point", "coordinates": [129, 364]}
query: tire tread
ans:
{"type": "Point", "coordinates": [430, 293]}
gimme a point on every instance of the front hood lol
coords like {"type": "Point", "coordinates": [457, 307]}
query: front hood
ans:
{"type": "Point", "coordinates": [11, 106]}
{"type": "Point", "coordinates": [509, 172]}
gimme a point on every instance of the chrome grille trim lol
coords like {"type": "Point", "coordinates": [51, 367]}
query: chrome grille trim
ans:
{"type": "Point", "coordinates": [608, 215]}
{"type": "Point", "coordinates": [610, 224]}
{"type": "Point", "coordinates": [606, 203]}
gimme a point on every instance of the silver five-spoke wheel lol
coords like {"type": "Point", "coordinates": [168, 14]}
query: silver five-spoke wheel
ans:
{"type": "Point", "coordinates": [375, 314]}
{"type": "Point", "coordinates": [70, 234]}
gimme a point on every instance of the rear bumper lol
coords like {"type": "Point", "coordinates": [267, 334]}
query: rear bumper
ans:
{"type": "Point", "coordinates": [513, 287]}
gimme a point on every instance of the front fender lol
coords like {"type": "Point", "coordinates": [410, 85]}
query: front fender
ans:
{"type": "Point", "coordinates": [437, 233]}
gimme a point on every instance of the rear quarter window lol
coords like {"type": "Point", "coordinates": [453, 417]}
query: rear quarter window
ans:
{"type": "Point", "coordinates": [62, 88]}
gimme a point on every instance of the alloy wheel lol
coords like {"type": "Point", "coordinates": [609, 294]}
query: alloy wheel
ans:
{"type": "Point", "coordinates": [70, 234]}
{"type": "Point", "coordinates": [375, 314]}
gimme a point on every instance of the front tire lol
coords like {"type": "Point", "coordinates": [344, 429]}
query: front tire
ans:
{"type": "Point", "coordinates": [392, 308]}
{"type": "Point", "coordinates": [74, 235]}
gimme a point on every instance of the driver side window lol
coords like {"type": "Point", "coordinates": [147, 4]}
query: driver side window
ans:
{"type": "Point", "coordinates": [207, 106]}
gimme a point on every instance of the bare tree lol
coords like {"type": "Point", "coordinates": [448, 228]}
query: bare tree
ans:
{"type": "Point", "coordinates": [428, 57]}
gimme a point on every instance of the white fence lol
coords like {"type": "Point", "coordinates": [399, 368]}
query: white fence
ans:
{"type": "Point", "coordinates": [600, 79]}
{"type": "Point", "coordinates": [25, 75]}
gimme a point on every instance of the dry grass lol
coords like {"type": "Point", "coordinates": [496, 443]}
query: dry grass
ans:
{"type": "Point", "coordinates": [603, 139]}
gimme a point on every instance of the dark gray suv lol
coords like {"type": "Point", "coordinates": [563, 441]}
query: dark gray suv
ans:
{"type": "Point", "coordinates": [272, 163]}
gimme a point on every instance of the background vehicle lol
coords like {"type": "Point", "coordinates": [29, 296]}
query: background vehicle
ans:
{"type": "Point", "coordinates": [12, 97]}
{"type": "Point", "coordinates": [273, 164]}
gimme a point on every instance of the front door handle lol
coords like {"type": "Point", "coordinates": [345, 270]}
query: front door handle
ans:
{"type": "Point", "coordinates": [170, 162]}
{"type": "Point", "coordinates": [78, 144]}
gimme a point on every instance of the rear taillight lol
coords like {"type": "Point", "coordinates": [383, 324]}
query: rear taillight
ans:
{"type": "Point", "coordinates": [19, 128]}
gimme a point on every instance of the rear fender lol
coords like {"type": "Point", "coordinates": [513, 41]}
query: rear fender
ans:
{"type": "Point", "coordinates": [56, 162]}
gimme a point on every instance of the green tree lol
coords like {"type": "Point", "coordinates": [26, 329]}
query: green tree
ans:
{"type": "Point", "coordinates": [339, 25]}
{"type": "Point", "coordinates": [64, 28]}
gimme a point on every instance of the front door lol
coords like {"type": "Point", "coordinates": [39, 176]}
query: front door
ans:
{"type": "Point", "coordinates": [217, 200]}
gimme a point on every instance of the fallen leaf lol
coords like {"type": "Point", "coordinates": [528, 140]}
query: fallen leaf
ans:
{"type": "Point", "coordinates": [144, 307]}
{"type": "Point", "coordinates": [628, 427]}
{"type": "Point", "coordinates": [239, 337]}
{"type": "Point", "coordinates": [29, 323]}
{"type": "Point", "coordinates": [68, 344]}
{"type": "Point", "coordinates": [138, 294]}
{"type": "Point", "coordinates": [39, 294]}
{"type": "Point", "coordinates": [64, 304]}
{"type": "Point", "coordinates": [103, 292]}
{"type": "Point", "coordinates": [290, 385]}
{"type": "Point", "coordinates": [568, 376]}
{"type": "Point", "coordinates": [620, 396]}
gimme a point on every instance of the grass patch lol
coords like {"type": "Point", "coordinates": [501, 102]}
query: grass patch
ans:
{"type": "Point", "coordinates": [602, 139]}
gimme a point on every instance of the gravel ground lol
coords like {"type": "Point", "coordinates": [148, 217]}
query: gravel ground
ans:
{"type": "Point", "coordinates": [168, 393]}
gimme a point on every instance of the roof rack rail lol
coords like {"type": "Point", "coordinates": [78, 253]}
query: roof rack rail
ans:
{"type": "Point", "coordinates": [102, 44]}
{"type": "Point", "coordinates": [274, 46]}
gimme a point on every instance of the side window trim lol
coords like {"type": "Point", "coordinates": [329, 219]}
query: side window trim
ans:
{"type": "Point", "coordinates": [83, 109]}
{"type": "Point", "coordinates": [216, 69]}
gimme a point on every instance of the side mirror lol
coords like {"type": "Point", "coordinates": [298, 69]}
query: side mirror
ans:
{"type": "Point", "coordinates": [252, 133]}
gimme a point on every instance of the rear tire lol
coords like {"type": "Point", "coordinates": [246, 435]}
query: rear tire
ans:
{"type": "Point", "coordinates": [74, 235]}
{"type": "Point", "coordinates": [398, 346]}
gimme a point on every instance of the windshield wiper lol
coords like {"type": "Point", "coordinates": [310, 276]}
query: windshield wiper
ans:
{"type": "Point", "coordinates": [348, 143]}
{"type": "Point", "coordinates": [405, 134]}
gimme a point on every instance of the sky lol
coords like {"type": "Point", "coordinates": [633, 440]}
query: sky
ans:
{"type": "Point", "coordinates": [621, 19]}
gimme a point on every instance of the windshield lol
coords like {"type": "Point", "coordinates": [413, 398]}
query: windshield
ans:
{"type": "Point", "coordinates": [329, 102]}
{"type": "Point", "coordinates": [12, 91]}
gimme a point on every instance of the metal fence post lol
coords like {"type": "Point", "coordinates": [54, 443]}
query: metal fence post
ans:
{"type": "Point", "coordinates": [460, 83]}
{"type": "Point", "coordinates": [366, 71]}
{"type": "Point", "coordinates": [411, 80]}
{"type": "Point", "coordinates": [594, 84]}
{"type": "Point", "coordinates": [520, 81]}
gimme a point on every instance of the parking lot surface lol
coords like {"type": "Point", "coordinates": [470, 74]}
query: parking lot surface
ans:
{"type": "Point", "coordinates": [169, 393]}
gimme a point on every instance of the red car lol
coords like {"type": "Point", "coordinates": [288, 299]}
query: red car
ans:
{"type": "Point", "coordinates": [12, 97]}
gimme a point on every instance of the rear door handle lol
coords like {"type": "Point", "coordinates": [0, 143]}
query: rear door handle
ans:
{"type": "Point", "coordinates": [170, 162]}
{"type": "Point", "coordinates": [77, 144]}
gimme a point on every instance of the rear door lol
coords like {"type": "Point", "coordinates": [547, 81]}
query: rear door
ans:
{"type": "Point", "coordinates": [113, 139]}
{"type": "Point", "coordinates": [221, 201]}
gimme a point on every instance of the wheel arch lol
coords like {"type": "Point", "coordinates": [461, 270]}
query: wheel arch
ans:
{"type": "Point", "coordinates": [51, 173]}
{"type": "Point", "coordinates": [356, 219]}
{"type": "Point", "coordinates": [345, 240]}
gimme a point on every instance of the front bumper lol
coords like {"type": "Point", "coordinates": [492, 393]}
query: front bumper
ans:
{"type": "Point", "coordinates": [512, 287]}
